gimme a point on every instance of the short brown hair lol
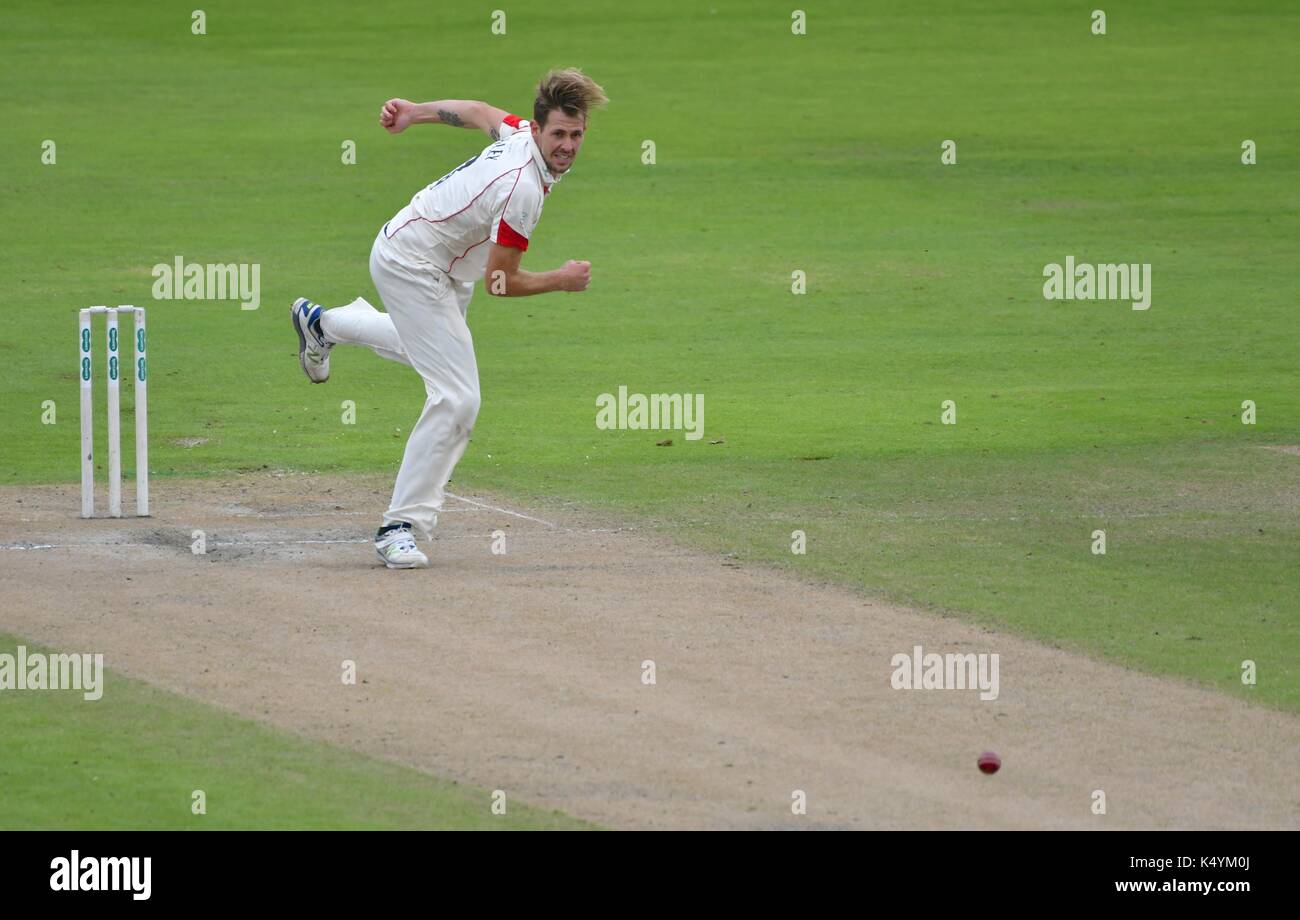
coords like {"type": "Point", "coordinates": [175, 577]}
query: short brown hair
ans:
{"type": "Point", "coordinates": [569, 90]}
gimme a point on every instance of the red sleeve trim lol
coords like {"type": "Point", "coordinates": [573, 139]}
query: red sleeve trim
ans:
{"type": "Point", "coordinates": [507, 236]}
{"type": "Point", "coordinates": [512, 120]}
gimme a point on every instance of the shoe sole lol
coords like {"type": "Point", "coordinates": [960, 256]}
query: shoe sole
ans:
{"type": "Point", "coordinates": [400, 565]}
{"type": "Point", "coordinates": [302, 342]}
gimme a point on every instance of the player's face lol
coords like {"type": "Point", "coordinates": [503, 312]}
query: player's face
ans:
{"type": "Point", "coordinates": [560, 140]}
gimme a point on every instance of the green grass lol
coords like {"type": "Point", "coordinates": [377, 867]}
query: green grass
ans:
{"type": "Point", "coordinates": [133, 759]}
{"type": "Point", "coordinates": [774, 153]}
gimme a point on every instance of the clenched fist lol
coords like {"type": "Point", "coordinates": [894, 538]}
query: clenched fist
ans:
{"type": "Point", "coordinates": [575, 276]}
{"type": "Point", "coordinates": [396, 115]}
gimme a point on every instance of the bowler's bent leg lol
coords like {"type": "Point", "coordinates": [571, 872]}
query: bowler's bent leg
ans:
{"type": "Point", "coordinates": [358, 323]}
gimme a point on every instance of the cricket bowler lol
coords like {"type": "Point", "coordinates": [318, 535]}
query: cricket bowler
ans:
{"type": "Point", "coordinates": [475, 222]}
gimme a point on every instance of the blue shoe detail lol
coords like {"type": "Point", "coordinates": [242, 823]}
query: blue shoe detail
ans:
{"type": "Point", "coordinates": [313, 355]}
{"type": "Point", "coordinates": [313, 323]}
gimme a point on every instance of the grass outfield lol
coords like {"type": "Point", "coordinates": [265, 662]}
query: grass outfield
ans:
{"type": "Point", "coordinates": [774, 153]}
{"type": "Point", "coordinates": [133, 759]}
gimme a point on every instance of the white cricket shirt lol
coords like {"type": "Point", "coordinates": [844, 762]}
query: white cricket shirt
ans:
{"type": "Point", "coordinates": [494, 197]}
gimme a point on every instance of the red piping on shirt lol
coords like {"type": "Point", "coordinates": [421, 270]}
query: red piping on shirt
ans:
{"type": "Point", "coordinates": [462, 210]}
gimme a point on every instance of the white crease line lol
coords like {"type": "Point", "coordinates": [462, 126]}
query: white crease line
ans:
{"type": "Point", "coordinates": [470, 501]}
{"type": "Point", "coordinates": [307, 514]}
{"type": "Point", "coordinates": [168, 546]}
{"type": "Point", "coordinates": [253, 512]}
{"type": "Point", "coordinates": [219, 543]}
{"type": "Point", "coordinates": [283, 542]}
{"type": "Point", "coordinates": [438, 538]}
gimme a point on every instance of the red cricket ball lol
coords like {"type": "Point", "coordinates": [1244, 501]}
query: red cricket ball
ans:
{"type": "Point", "coordinates": [989, 762]}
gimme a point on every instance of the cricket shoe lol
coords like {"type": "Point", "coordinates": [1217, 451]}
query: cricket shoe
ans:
{"type": "Point", "coordinates": [313, 350]}
{"type": "Point", "coordinates": [398, 550]}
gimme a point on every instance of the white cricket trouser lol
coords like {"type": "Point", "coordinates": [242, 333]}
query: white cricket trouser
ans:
{"type": "Point", "coordinates": [425, 328]}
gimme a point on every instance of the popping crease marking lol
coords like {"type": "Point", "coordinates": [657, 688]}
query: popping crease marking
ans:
{"type": "Point", "coordinates": [350, 542]}
{"type": "Point", "coordinates": [470, 501]}
{"type": "Point", "coordinates": [475, 505]}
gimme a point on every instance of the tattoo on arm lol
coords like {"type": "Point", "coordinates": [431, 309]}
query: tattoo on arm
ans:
{"type": "Point", "coordinates": [448, 117]}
